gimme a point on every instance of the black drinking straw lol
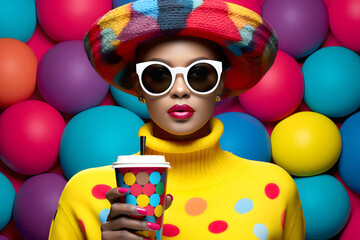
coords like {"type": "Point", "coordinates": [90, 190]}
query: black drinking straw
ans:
{"type": "Point", "coordinates": [142, 145]}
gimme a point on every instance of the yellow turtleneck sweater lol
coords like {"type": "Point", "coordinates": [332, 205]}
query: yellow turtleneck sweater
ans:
{"type": "Point", "coordinates": [217, 195]}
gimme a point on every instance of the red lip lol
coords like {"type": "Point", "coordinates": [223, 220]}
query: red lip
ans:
{"type": "Point", "coordinates": [181, 111]}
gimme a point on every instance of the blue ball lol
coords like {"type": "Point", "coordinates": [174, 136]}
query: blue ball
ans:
{"type": "Point", "coordinates": [326, 205]}
{"type": "Point", "coordinates": [95, 137]}
{"type": "Point", "coordinates": [349, 162]}
{"type": "Point", "coordinates": [130, 102]}
{"type": "Point", "coordinates": [245, 136]}
{"type": "Point", "coordinates": [18, 19]}
{"type": "Point", "coordinates": [7, 193]}
{"type": "Point", "coordinates": [332, 81]}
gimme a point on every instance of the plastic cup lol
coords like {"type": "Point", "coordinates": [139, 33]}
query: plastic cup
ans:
{"type": "Point", "coordinates": [145, 177]}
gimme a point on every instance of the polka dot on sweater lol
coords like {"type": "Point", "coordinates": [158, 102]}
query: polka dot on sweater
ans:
{"type": "Point", "coordinates": [272, 190]}
{"type": "Point", "coordinates": [99, 191]}
{"type": "Point", "coordinates": [195, 206]}
{"type": "Point", "coordinates": [218, 226]}
{"type": "Point", "coordinates": [170, 230]}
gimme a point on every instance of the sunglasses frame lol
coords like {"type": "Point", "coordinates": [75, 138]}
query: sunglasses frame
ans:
{"type": "Point", "coordinates": [140, 67]}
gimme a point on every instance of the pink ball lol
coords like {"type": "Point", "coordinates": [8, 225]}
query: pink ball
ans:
{"type": "Point", "coordinates": [330, 40]}
{"type": "Point", "coordinates": [70, 19]}
{"type": "Point", "coordinates": [108, 100]}
{"type": "Point", "coordinates": [30, 133]}
{"type": "Point", "coordinates": [352, 230]}
{"type": "Point", "coordinates": [278, 93]}
{"type": "Point", "coordinates": [344, 17]}
{"type": "Point", "coordinates": [253, 5]}
{"type": "Point", "coordinates": [40, 42]}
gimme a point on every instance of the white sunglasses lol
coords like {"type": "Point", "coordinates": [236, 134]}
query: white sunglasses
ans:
{"type": "Point", "coordinates": [157, 78]}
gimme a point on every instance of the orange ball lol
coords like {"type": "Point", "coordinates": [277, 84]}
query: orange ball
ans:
{"type": "Point", "coordinates": [18, 65]}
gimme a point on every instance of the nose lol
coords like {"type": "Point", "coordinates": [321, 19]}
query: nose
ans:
{"type": "Point", "coordinates": [180, 90]}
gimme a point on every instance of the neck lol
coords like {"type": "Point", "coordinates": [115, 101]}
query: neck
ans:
{"type": "Point", "coordinates": [195, 163]}
{"type": "Point", "coordinates": [160, 133]}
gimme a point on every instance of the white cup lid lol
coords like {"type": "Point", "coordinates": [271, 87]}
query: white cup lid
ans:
{"type": "Point", "coordinates": [141, 161]}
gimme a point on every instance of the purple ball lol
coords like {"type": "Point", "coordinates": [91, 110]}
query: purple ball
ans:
{"type": "Point", "coordinates": [35, 205]}
{"type": "Point", "coordinates": [66, 79]}
{"type": "Point", "coordinates": [3, 238]}
{"type": "Point", "coordinates": [301, 25]}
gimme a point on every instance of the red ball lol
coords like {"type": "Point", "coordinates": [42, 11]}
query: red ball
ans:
{"type": "Point", "coordinates": [30, 133]}
{"type": "Point", "coordinates": [70, 19]}
{"type": "Point", "coordinates": [344, 17]}
{"type": "Point", "coordinates": [278, 93]}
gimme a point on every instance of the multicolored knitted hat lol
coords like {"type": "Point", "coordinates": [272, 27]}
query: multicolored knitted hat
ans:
{"type": "Point", "coordinates": [248, 41]}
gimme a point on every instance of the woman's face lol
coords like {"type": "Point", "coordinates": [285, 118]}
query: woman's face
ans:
{"type": "Point", "coordinates": [180, 114]}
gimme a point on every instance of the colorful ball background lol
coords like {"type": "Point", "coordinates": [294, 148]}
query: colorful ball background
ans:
{"type": "Point", "coordinates": [332, 81]}
{"type": "Point", "coordinates": [95, 137]}
{"type": "Point", "coordinates": [69, 19]}
{"type": "Point", "coordinates": [18, 21]}
{"type": "Point", "coordinates": [67, 80]}
{"type": "Point", "coordinates": [329, 77]}
{"type": "Point", "coordinates": [306, 144]}
{"type": "Point", "coordinates": [279, 92]}
{"type": "Point", "coordinates": [349, 165]}
{"type": "Point", "coordinates": [7, 192]}
{"type": "Point", "coordinates": [18, 67]}
{"type": "Point", "coordinates": [30, 133]}
{"type": "Point", "coordinates": [35, 204]}
{"type": "Point", "coordinates": [245, 136]}
{"type": "Point", "coordinates": [326, 205]}
{"type": "Point", "coordinates": [301, 25]}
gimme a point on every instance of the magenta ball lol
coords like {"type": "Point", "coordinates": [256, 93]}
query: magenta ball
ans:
{"type": "Point", "coordinates": [69, 19]}
{"type": "Point", "coordinates": [278, 93]}
{"type": "Point", "coordinates": [344, 17]}
{"type": "Point", "coordinates": [301, 25]}
{"type": "Point", "coordinates": [30, 133]}
{"type": "Point", "coordinates": [352, 230]}
{"type": "Point", "coordinates": [66, 79]}
{"type": "Point", "coordinates": [35, 205]}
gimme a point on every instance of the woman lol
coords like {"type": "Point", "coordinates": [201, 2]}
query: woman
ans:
{"type": "Point", "coordinates": [180, 57]}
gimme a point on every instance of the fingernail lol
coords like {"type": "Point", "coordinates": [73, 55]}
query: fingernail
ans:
{"type": "Point", "coordinates": [142, 211]}
{"type": "Point", "coordinates": [147, 238]}
{"type": "Point", "coordinates": [123, 190]}
{"type": "Point", "coordinates": [153, 226]}
{"type": "Point", "coordinates": [172, 198]}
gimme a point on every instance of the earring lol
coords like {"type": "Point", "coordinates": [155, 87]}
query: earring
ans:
{"type": "Point", "coordinates": [218, 98]}
{"type": "Point", "coordinates": [141, 99]}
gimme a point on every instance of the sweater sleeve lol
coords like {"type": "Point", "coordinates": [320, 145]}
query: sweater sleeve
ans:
{"type": "Point", "coordinates": [62, 227]}
{"type": "Point", "coordinates": [295, 222]}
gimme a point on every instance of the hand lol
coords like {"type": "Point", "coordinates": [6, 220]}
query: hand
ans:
{"type": "Point", "coordinates": [125, 217]}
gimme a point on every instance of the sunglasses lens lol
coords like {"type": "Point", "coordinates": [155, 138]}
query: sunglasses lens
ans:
{"type": "Point", "coordinates": [156, 78]}
{"type": "Point", "coordinates": [202, 77]}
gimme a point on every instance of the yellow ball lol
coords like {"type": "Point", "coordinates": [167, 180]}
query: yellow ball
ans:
{"type": "Point", "coordinates": [306, 144]}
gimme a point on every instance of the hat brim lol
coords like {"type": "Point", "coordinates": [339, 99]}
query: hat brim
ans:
{"type": "Point", "coordinates": [248, 41]}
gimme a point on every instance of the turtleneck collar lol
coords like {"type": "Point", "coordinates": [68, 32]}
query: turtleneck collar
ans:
{"type": "Point", "coordinates": [195, 163]}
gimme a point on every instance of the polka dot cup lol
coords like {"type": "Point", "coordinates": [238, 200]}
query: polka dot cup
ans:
{"type": "Point", "coordinates": [145, 177]}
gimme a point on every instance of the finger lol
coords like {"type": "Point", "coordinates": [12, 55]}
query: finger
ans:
{"type": "Point", "coordinates": [129, 223]}
{"type": "Point", "coordinates": [121, 235]}
{"type": "Point", "coordinates": [117, 209]}
{"type": "Point", "coordinates": [114, 194]}
{"type": "Point", "coordinates": [168, 201]}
